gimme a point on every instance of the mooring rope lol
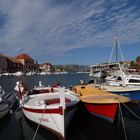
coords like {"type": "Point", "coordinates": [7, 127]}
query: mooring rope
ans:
{"type": "Point", "coordinates": [55, 122]}
{"type": "Point", "coordinates": [122, 120]}
{"type": "Point", "coordinates": [138, 117]}
{"type": "Point", "coordinates": [39, 124]}
{"type": "Point", "coordinates": [41, 120]}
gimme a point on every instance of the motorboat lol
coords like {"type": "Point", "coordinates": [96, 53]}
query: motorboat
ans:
{"type": "Point", "coordinates": [132, 92]}
{"type": "Point", "coordinates": [124, 79]}
{"type": "Point", "coordinates": [52, 109]}
{"type": "Point", "coordinates": [6, 102]}
{"type": "Point", "coordinates": [97, 71]}
{"type": "Point", "coordinates": [98, 102]}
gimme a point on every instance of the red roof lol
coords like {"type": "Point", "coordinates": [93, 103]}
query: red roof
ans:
{"type": "Point", "coordinates": [23, 56]}
{"type": "Point", "coordinates": [49, 64]}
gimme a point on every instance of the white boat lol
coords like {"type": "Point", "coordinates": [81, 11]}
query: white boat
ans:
{"type": "Point", "coordinates": [53, 110]}
{"type": "Point", "coordinates": [6, 102]}
{"type": "Point", "coordinates": [123, 79]}
{"type": "Point", "coordinates": [120, 82]}
{"type": "Point", "coordinates": [97, 71]}
{"type": "Point", "coordinates": [18, 73]}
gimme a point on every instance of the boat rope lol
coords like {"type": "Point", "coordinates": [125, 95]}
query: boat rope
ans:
{"type": "Point", "coordinates": [39, 123]}
{"type": "Point", "coordinates": [118, 118]}
{"type": "Point", "coordinates": [122, 120]}
{"type": "Point", "coordinates": [138, 117]}
{"type": "Point", "coordinates": [41, 120]}
{"type": "Point", "coordinates": [122, 56]}
{"type": "Point", "coordinates": [111, 53]}
{"type": "Point", "coordinates": [55, 122]}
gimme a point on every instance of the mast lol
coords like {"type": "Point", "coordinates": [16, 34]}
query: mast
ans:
{"type": "Point", "coordinates": [117, 60]}
{"type": "Point", "coordinates": [116, 45]}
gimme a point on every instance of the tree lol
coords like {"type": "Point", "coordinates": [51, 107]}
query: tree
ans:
{"type": "Point", "coordinates": [133, 65]}
{"type": "Point", "coordinates": [138, 60]}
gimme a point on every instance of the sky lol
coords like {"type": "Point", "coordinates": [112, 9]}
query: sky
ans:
{"type": "Point", "coordinates": [69, 31]}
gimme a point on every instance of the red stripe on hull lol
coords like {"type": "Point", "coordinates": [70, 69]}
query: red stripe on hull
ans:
{"type": "Point", "coordinates": [55, 111]}
{"type": "Point", "coordinates": [104, 110]}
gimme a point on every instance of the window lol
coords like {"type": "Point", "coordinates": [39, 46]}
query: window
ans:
{"type": "Point", "coordinates": [134, 81]}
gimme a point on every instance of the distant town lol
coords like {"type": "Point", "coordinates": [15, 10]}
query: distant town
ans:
{"type": "Point", "coordinates": [24, 64]}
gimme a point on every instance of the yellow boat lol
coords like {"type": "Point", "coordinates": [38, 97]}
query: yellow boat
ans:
{"type": "Point", "coordinates": [98, 102]}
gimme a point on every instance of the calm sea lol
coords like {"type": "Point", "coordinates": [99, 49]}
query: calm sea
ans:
{"type": "Point", "coordinates": [83, 126]}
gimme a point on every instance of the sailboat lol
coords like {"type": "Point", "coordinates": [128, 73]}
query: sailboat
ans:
{"type": "Point", "coordinates": [120, 82]}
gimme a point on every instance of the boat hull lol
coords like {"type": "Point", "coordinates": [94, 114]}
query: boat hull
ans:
{"type": "Point", "coordinates": [98, 74]}
{"type": "Point", "coordinates": [131, 92]}
{"type": "Point", "coordinates": [7, 103]}
{"type": "Point", "coordinates": [51, 119]}
{"type": "Point", "coordinates": [134, 95]}
{"type": "Point", "coordinates": [4, 110]}
{"type": "Point", "coordinates": [105, 111]}
{"type": "Point", "coordinates": [46, 119]}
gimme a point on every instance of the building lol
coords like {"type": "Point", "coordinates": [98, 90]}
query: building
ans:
{"type": "Point", "coordinates": [3, 63]}
{"type": "Point", "coordinates": [14, 65]}
{"type": "Point", "coordinates": [47, 67]}
{"type": "Point", "coordinates": [29, 64]}
{"type": "Point", "coordinates": [9, 64]}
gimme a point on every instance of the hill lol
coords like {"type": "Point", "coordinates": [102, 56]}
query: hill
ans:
{"type": "Point", "coordinates": [72, 68]}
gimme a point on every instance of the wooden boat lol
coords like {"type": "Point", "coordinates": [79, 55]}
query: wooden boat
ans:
{"type": "Point", "coordinates": [43, 89]}
{"type": "Point", "coordinates": [53, 110]}
{"type": "Point", "coordinates": [6, 102]}
{"type": "Point", "coordinates": [100, 103]}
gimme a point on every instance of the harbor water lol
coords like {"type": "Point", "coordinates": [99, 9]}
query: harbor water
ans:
{"type": "Point", "coordinates": [82, 127]}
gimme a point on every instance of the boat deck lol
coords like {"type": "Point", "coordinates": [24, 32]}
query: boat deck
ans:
{"type": "Point", "coordinates": [91, 94]}
{"type": "Point", "coordinates": [43, 100]}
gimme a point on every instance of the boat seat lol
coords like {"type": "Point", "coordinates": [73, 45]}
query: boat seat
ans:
{"type": "Point", "coordinates": [56, 101]}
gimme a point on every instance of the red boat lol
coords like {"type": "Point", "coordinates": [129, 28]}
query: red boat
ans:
{"type": "Point", "coordinates": [98, 102]}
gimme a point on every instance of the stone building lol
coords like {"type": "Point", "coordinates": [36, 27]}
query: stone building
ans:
{"type": "Point", "coordinates": [46, 67]}
{"type": "Point", "coordinates": [29, 64]}
{"type": "Point", "coordinates": [9, 64]}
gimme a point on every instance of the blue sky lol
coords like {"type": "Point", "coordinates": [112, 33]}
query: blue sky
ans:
{"type": "Point", "coordinates": [69, 31]}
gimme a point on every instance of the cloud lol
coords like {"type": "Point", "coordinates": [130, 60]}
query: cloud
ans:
{"type": "Point", "coordinates": [49, 28]}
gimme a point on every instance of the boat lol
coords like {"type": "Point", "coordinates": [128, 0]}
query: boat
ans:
{"type": "Point", "coordinates": [98, 102]}
{"type": "Point", "coordinates": [6, 102]}
{"type": "Point", "coordinates": [132, 92]}
{"type": "Point", "coordinates": [124, 79]}
{"type": "Point", "coordinates": [97, 71]}
{"type": "Point", "coordinates": [99, 74]}
{"type": "Point", "coordinates": [52, 109]}
{"type": "Point", "coordinates": [120, 81]}
{"type": "Point", "coordinates": [39, 89]}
